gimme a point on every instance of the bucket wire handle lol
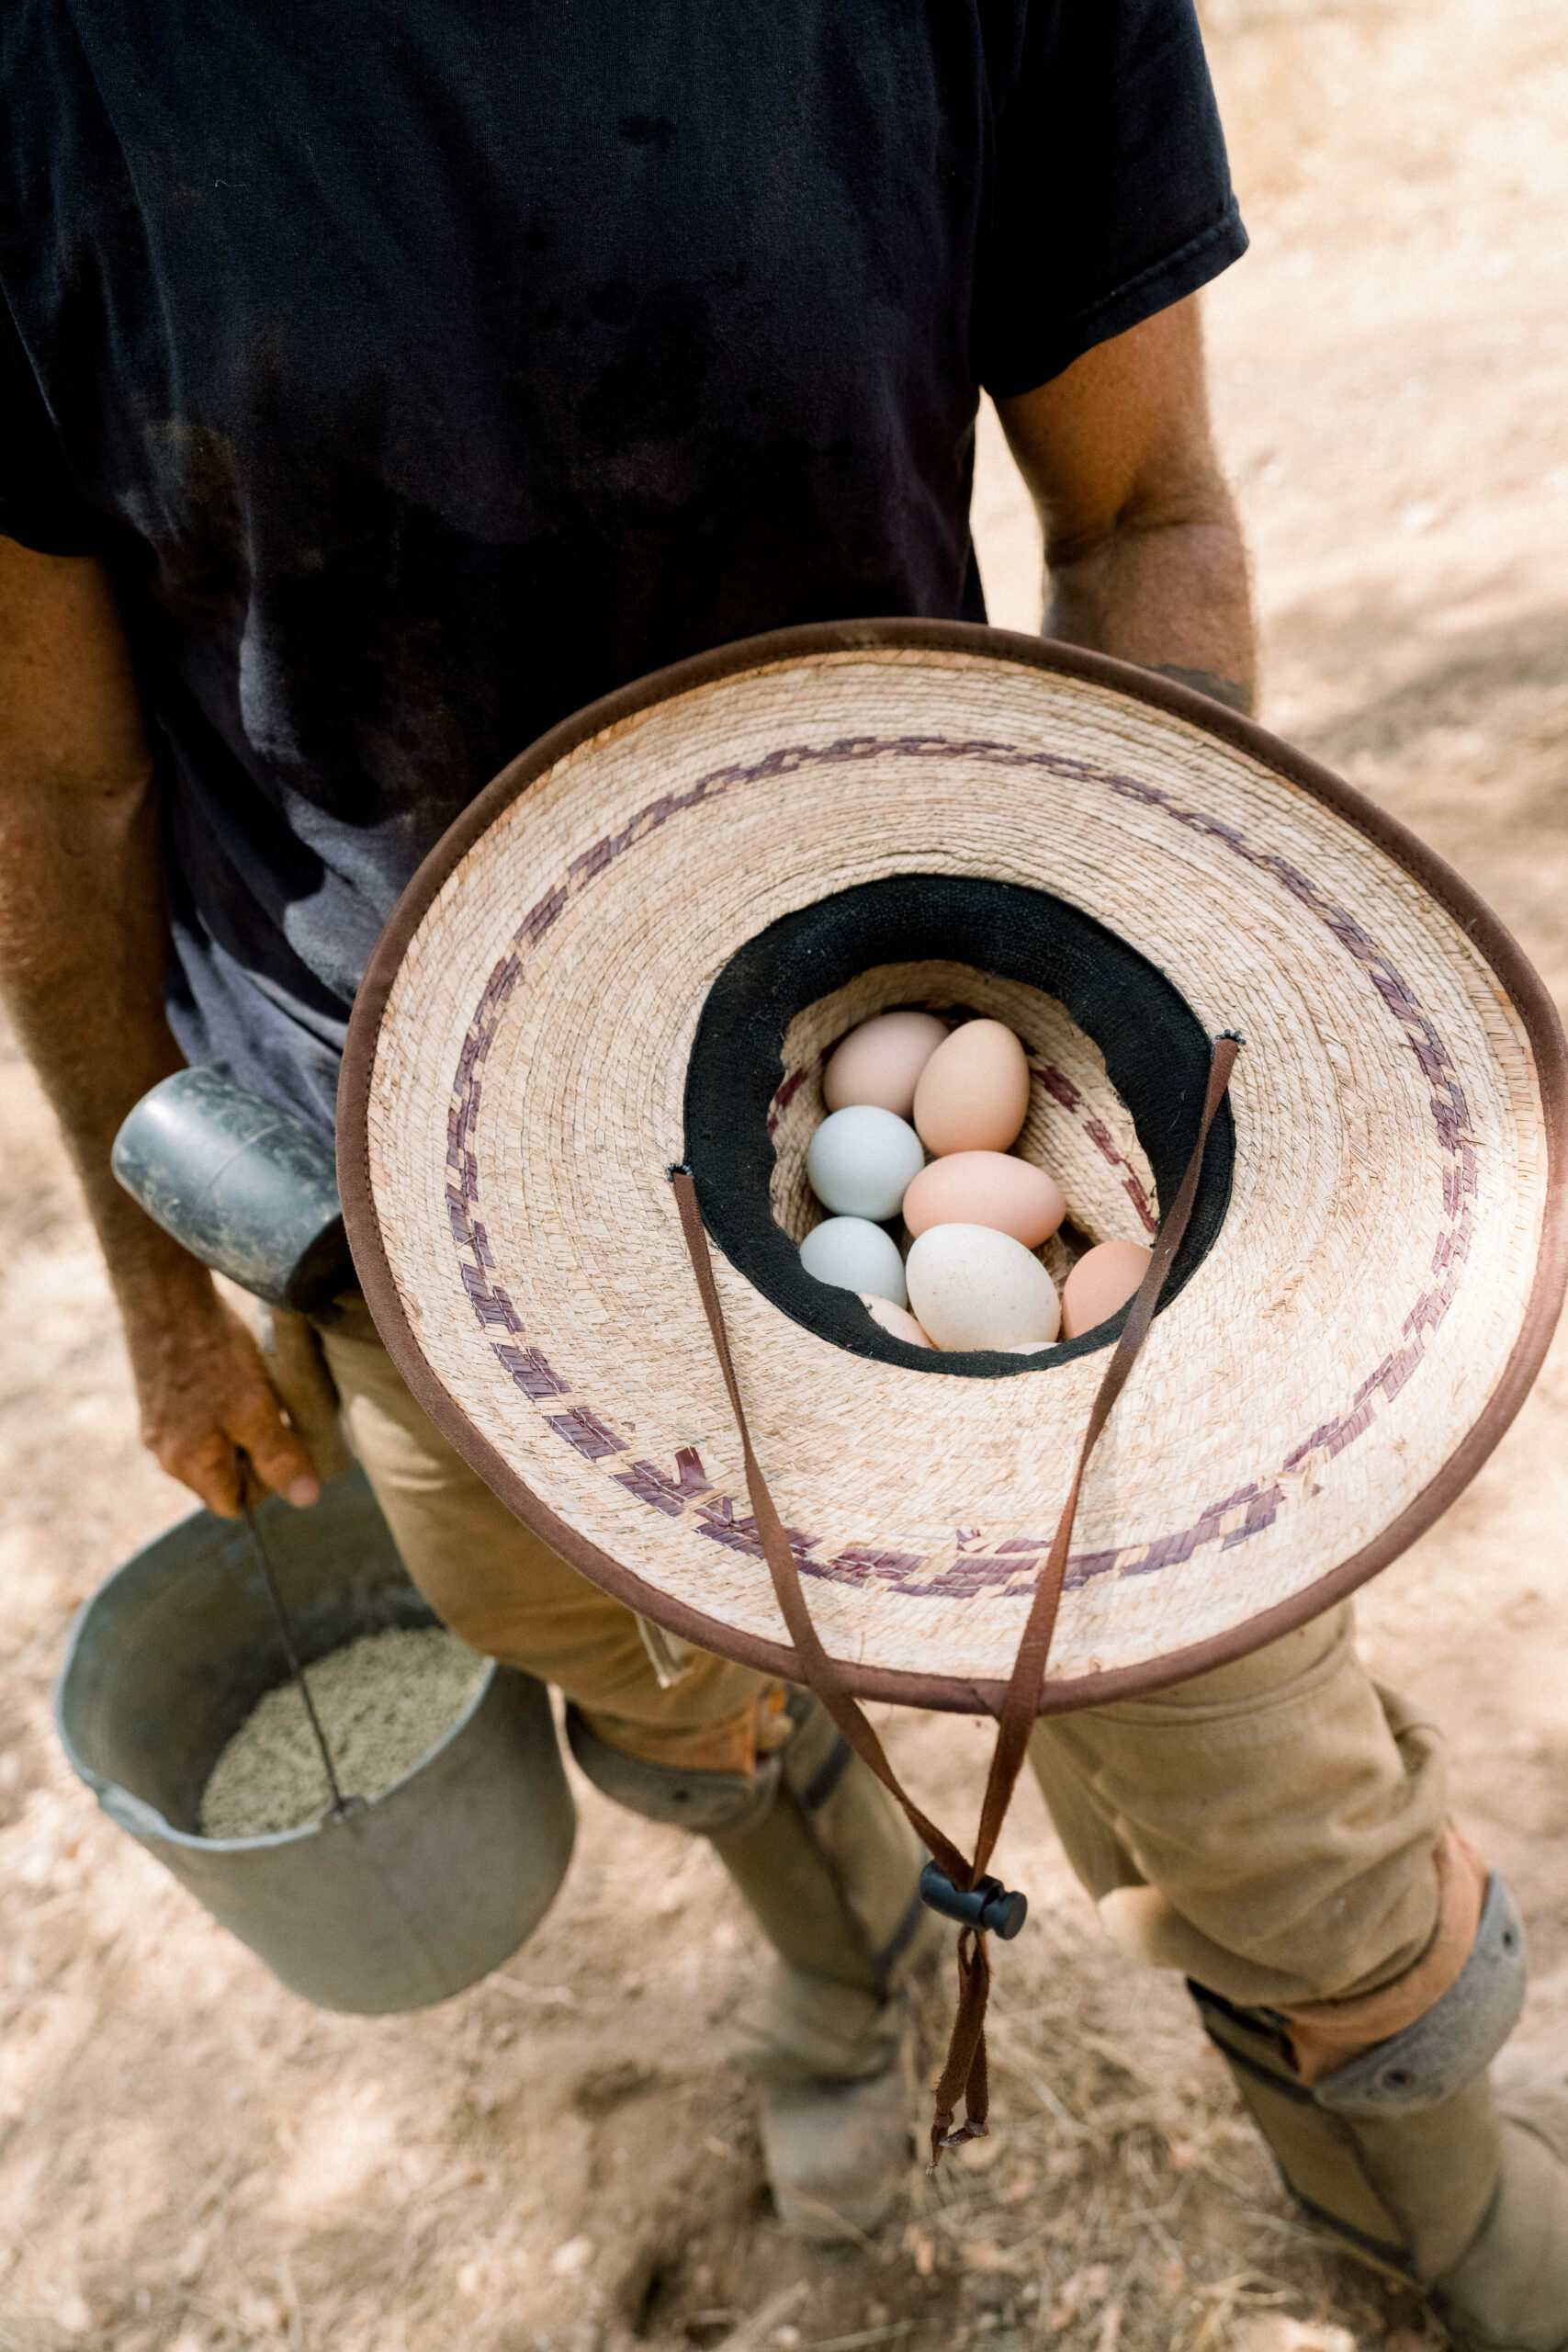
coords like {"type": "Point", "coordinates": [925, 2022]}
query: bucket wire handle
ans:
{"type": "Point", "coordinates": [343, 1808]}
{"type": "Point", "coordinates": [285, 1632]}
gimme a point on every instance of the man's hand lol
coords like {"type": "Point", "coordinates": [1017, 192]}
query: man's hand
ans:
{"type": "Point", "coordinates": [1143, 552]}
{"type": "Point", "coordinates": [84, 941]}
{"type": "Point", "coordinates": [204, 1394]}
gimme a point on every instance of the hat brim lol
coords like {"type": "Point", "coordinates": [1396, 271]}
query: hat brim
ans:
{"type": "Point", "coordinates": [1364, 1325]}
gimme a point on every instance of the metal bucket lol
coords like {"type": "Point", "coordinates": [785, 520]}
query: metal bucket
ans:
{"type": "Point", "coordinates": [403, 1901]}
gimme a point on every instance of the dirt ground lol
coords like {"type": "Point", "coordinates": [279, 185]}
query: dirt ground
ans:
{"type": "Point", "coordinates": [191, 2160]}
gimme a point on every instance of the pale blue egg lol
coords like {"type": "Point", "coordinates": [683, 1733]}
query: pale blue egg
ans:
{"type": "Point", "coordinates": [862, 1160]}
{"type": "Point", "coordinates": [853, 1254]}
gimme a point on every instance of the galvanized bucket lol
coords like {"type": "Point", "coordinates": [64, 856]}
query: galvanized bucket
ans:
{"type": "Point", "coordinates": [403, 1901]}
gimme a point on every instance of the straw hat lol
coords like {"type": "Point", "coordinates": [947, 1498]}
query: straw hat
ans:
{"type": "Point", "coordinates": [636, 948]}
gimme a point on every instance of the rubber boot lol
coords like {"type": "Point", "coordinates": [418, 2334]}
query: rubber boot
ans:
{"type": "Point", "coordinates": [831, 1870]}
{"type": "Point", "coordinates": [832, 1875]}
{"type": "Point", "coordinates": [1408, 2158]}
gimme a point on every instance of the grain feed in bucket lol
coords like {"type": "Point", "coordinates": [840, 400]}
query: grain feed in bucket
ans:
{"type": "Point", "coordinates": [410, 1894]}
{"type": "Point", "coordinates": [384, 1699]}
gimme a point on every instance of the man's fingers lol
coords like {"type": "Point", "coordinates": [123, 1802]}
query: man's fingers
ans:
{"type": "Point", "coordinates": [204, 1398]}
{"type": "Point", "coordinates": [280, 1459]}
{"type": "Point", "coordinates": [208, 1465]}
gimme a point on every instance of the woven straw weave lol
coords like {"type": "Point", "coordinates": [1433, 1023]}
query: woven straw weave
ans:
{"type": "Point", "coordinates": [1341, 1341]}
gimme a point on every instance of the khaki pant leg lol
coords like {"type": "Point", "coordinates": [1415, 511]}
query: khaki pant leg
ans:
{"type": "Point", "coordinates": [509, 1596]}
{"type": "Point", "coordinates": [1268, 1828]}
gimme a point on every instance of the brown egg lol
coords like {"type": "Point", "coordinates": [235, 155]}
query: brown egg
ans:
{"type": "Point", "coordinates": [985, 1187]}
{"type": "Point", "coordinates": [1103, 1280]}
{"type": "Point", "coordinates": [973, 1094]}
{"type": "Point", "coordinates": [879, 1062]}
{"type": "Point", "coordinates": [898, 1320]}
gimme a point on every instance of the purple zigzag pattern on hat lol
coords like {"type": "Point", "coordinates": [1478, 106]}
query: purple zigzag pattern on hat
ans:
{"type": "Point", "coordinates": [1449, 1109]}
{"type": "Point", "coordinates": [1013, 1565]}
{"type": "Point", "coordinates": [1060, 1087]}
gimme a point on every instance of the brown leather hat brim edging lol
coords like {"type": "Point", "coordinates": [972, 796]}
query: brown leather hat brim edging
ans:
{"type": "Point", "coordinates": [1493, 940]}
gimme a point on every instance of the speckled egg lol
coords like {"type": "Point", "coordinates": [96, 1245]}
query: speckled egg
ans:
{"type": "Point", "coordinates": [973, 1287]}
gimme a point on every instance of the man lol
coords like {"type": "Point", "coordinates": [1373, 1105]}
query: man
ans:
{"type": "Point", "coordinates": [382, 383]}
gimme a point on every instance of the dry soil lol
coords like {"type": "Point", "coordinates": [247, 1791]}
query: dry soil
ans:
{"type": "Point", "coordinates": [192, 2159]}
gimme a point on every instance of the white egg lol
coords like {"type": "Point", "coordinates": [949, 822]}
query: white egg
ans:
{"type": "Point", "coordinates": [852, 1254]}
{"type": "Point", "coordinates": [862, 1160]}
{"type": "Point", "coordinates": [973, 1287]}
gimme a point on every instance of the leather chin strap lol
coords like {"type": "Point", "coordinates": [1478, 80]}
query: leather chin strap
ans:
{"type": "Point", "coordinates": [963, 2075]}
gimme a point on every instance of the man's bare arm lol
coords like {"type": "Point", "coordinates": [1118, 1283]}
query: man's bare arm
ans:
{"type": "Point", "coordinates": [83, 939]}
{"type": "Point", "coordinates": [1143, 552]}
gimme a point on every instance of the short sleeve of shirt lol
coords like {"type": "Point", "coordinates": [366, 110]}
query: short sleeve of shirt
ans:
{"type": "Point", "coordinates": [40, 504]}
{"type": "Point", "coordinates": [1111, 196]}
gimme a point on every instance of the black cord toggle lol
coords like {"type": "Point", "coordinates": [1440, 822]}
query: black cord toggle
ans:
{"type": "Point", "coordinates": [988, 1904]}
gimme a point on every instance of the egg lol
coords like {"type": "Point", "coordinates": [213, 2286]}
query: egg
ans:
{"type": "Point", "coordinates": [1103, 1280]}
{"type": "Point", "coordinates": [986, 1188]}
{"type": "Point", "coordinates": [894, 1319]}
{"type": "Point", "coordinates": [973, 1287]}
{"type": "Point", "coordinates": [862, 1161]}
{"type": "Point", "coordinates": [880, 1061]}
{"type": "Point", "coordinates": [853, 1254]}
{"type": "Point", "coordinates": [973, 1094]}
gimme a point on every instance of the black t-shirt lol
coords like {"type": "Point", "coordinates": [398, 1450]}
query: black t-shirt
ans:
{"type": "Point", "coordinates": [423, 368]}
